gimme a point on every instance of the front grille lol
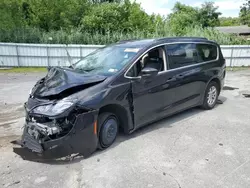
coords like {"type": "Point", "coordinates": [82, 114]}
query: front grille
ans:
{"type": "Point", "coordinates": [31, 143]}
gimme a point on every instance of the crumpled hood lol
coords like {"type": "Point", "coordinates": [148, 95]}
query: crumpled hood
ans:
{"type": "Point", "coordinates": [60, 80]}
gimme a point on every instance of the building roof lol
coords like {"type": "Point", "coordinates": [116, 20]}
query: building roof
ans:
{"type": "Point", "coordinates": [242, 29]}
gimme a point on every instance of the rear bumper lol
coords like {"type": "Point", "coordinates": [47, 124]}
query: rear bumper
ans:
{"type": "Point", "coordinates": [80, 139]}
{"type": "Point", "coordinates": [222, 81]}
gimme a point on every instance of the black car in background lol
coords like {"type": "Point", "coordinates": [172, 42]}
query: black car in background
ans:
{"type": "Point", "coordinates": [121, 86]}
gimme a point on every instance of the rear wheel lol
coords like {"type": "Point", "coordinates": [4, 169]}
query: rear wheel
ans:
{"type": "Point", "coordinates": [108, 124]}
{"type": "Point", "coordinates": [211, 96]}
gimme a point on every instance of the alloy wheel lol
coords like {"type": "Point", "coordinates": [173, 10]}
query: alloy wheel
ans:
{"type": "Point", "coordinates": [212, 96]}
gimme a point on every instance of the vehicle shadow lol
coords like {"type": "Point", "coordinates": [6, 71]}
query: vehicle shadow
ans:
{"type": "Point", "coordinates": [167, 122]}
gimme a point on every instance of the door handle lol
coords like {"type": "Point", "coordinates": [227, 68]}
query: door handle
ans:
{"type": "Point", "coordinates": [180, 76]}
{"type": "Point", "coordinates": [171, 79]}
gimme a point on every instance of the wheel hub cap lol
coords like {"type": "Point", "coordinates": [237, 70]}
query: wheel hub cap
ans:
{"type": "Point", "coordinates": [212, 95]}
{"type": "Point", "coordinates": [110, 131]}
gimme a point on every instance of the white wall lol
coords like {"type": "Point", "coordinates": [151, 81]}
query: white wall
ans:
{"type": "Point", "coordinates": [12, 54]}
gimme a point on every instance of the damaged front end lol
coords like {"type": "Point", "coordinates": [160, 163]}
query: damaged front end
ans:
{"type": "Point", "coordinates": [71, 132]}
{"type": "Point", "coordinates": [56, 124]}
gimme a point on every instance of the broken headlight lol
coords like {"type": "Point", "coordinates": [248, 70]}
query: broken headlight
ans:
{"type": "Point", "coordinates": [55, 108]}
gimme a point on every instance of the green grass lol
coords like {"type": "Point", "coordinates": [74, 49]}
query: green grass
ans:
{"type": "Point", "coordinates": [80, 36]}
{"type": "Point", "coordinates": [23, 69]}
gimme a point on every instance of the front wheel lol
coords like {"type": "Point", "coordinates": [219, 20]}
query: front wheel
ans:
{"type": "Point", "coordinates": [211, 96]}
{"type": "Point", "coordinates": [108, 124]}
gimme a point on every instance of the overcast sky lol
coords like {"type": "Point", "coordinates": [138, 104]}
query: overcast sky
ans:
{"type": "Point", "coordinates": [163, 7]}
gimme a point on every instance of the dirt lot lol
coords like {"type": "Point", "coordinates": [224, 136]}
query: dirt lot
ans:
{"type": "Point", "coordinates": [193, 149]}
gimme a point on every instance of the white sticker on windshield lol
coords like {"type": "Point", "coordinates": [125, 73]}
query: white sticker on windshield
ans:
{"type": "Point", "coordinates": [113, 70]}
{"type": "Point", "coordinates": [135, 50]}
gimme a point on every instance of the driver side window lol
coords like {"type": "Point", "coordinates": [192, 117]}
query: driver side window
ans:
{"type": "Point", "coordinates": [155, 58]}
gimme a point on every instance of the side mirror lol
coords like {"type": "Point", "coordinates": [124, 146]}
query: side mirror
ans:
{"type": "Point", "coordinates": [148, 72]}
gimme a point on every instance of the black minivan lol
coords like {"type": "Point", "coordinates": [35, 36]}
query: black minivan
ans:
{"type": "Point", "coordinates": [122, 86]}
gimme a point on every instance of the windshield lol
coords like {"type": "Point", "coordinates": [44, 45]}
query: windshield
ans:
{"type": "Point", "coordinates": [106, 61]}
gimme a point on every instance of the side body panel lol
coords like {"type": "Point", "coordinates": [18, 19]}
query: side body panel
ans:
{"type": "Point", "coordinates": [174, 90]}
{"type": "Point", "coordinates": [187, 84]}
{"type": "Point", "coordinates": [190, 83]}
{"type": "Point", "coordinates": [149, 96]}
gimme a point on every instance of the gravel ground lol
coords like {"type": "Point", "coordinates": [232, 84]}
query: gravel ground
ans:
{"type": "Point", "coordinates": [193, 149]}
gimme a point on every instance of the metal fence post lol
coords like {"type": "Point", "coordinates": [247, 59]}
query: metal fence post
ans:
{"type": "Point", "coordinates": [231, 58]}
{"type": "Point", "coordinates": [17, 54]}
{"type": "Point", "coordinates": [80, 52]}
{"type": "Point", "coordinates": [47, 48]}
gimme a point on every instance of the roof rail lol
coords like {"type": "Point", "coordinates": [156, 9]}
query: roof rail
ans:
{"type": "Point", "coordinates": [182, 38]}
{"type": "Point", "coordinates": [128, 40]}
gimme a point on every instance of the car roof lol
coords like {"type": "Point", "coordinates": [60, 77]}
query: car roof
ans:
{"type": "Point", "coordinates": [148, 42]}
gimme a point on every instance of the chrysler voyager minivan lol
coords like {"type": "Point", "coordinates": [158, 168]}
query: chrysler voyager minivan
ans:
{"type": "Point", "coordinates": [122, 86]}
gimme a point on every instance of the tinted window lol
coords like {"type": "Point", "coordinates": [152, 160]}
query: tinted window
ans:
{"type": "Point", "coordinates": [207, 52]}
{"type": "Point", "coordinates": [180, 55]}
{"type": "Point", "coordinates": [153, 59]}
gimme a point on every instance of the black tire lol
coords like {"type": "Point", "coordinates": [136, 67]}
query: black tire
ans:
{"type": "Point", "coordinates": [209, 102]}
{"type": "Point", "coordinates": [108, 129]}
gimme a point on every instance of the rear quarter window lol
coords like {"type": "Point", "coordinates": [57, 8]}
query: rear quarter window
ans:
{"type": "Point", "coordinates": [207, 52]}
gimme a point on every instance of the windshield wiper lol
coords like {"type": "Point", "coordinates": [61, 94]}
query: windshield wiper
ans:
{"type": "Point", "coordinates": [87, 70]}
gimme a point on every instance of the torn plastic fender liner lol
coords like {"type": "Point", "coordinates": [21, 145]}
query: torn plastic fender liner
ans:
{"type": "Point", "coordinates": [81, 139]}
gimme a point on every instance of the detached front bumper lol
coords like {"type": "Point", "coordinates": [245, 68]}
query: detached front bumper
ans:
{"type": "Point", "coordinates": [82, 138]}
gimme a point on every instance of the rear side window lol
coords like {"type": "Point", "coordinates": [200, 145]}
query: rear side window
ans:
{"type": "Point", "coordinates": [180, 55]}
{"type": "Point", "coordinates": [207, 52]}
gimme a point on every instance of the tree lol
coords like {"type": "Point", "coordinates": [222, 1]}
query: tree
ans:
{"type": "Point", "coordinates": [208, 15]}
{"type": "Point", "coordinates": [106, 1]}
{"type": "Point", "coordinates": [11, 14]}
{"type": "Point", "coordinates": [138, 19]}
{"type": "Point", "coordinates": [122, 17]}
{"type": "Point", "coordinates": [245, 13]}
{"type": "Point", "coordinates": [229, 21]}
{"type": "Point", "coordinates": [183, 16]}
{"type": "Point", "coordinates": [101, 17]}
{"type": "Point", "coordinates": [54, 15]}
{"type": "Point", "coordinates": [159, 24]}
